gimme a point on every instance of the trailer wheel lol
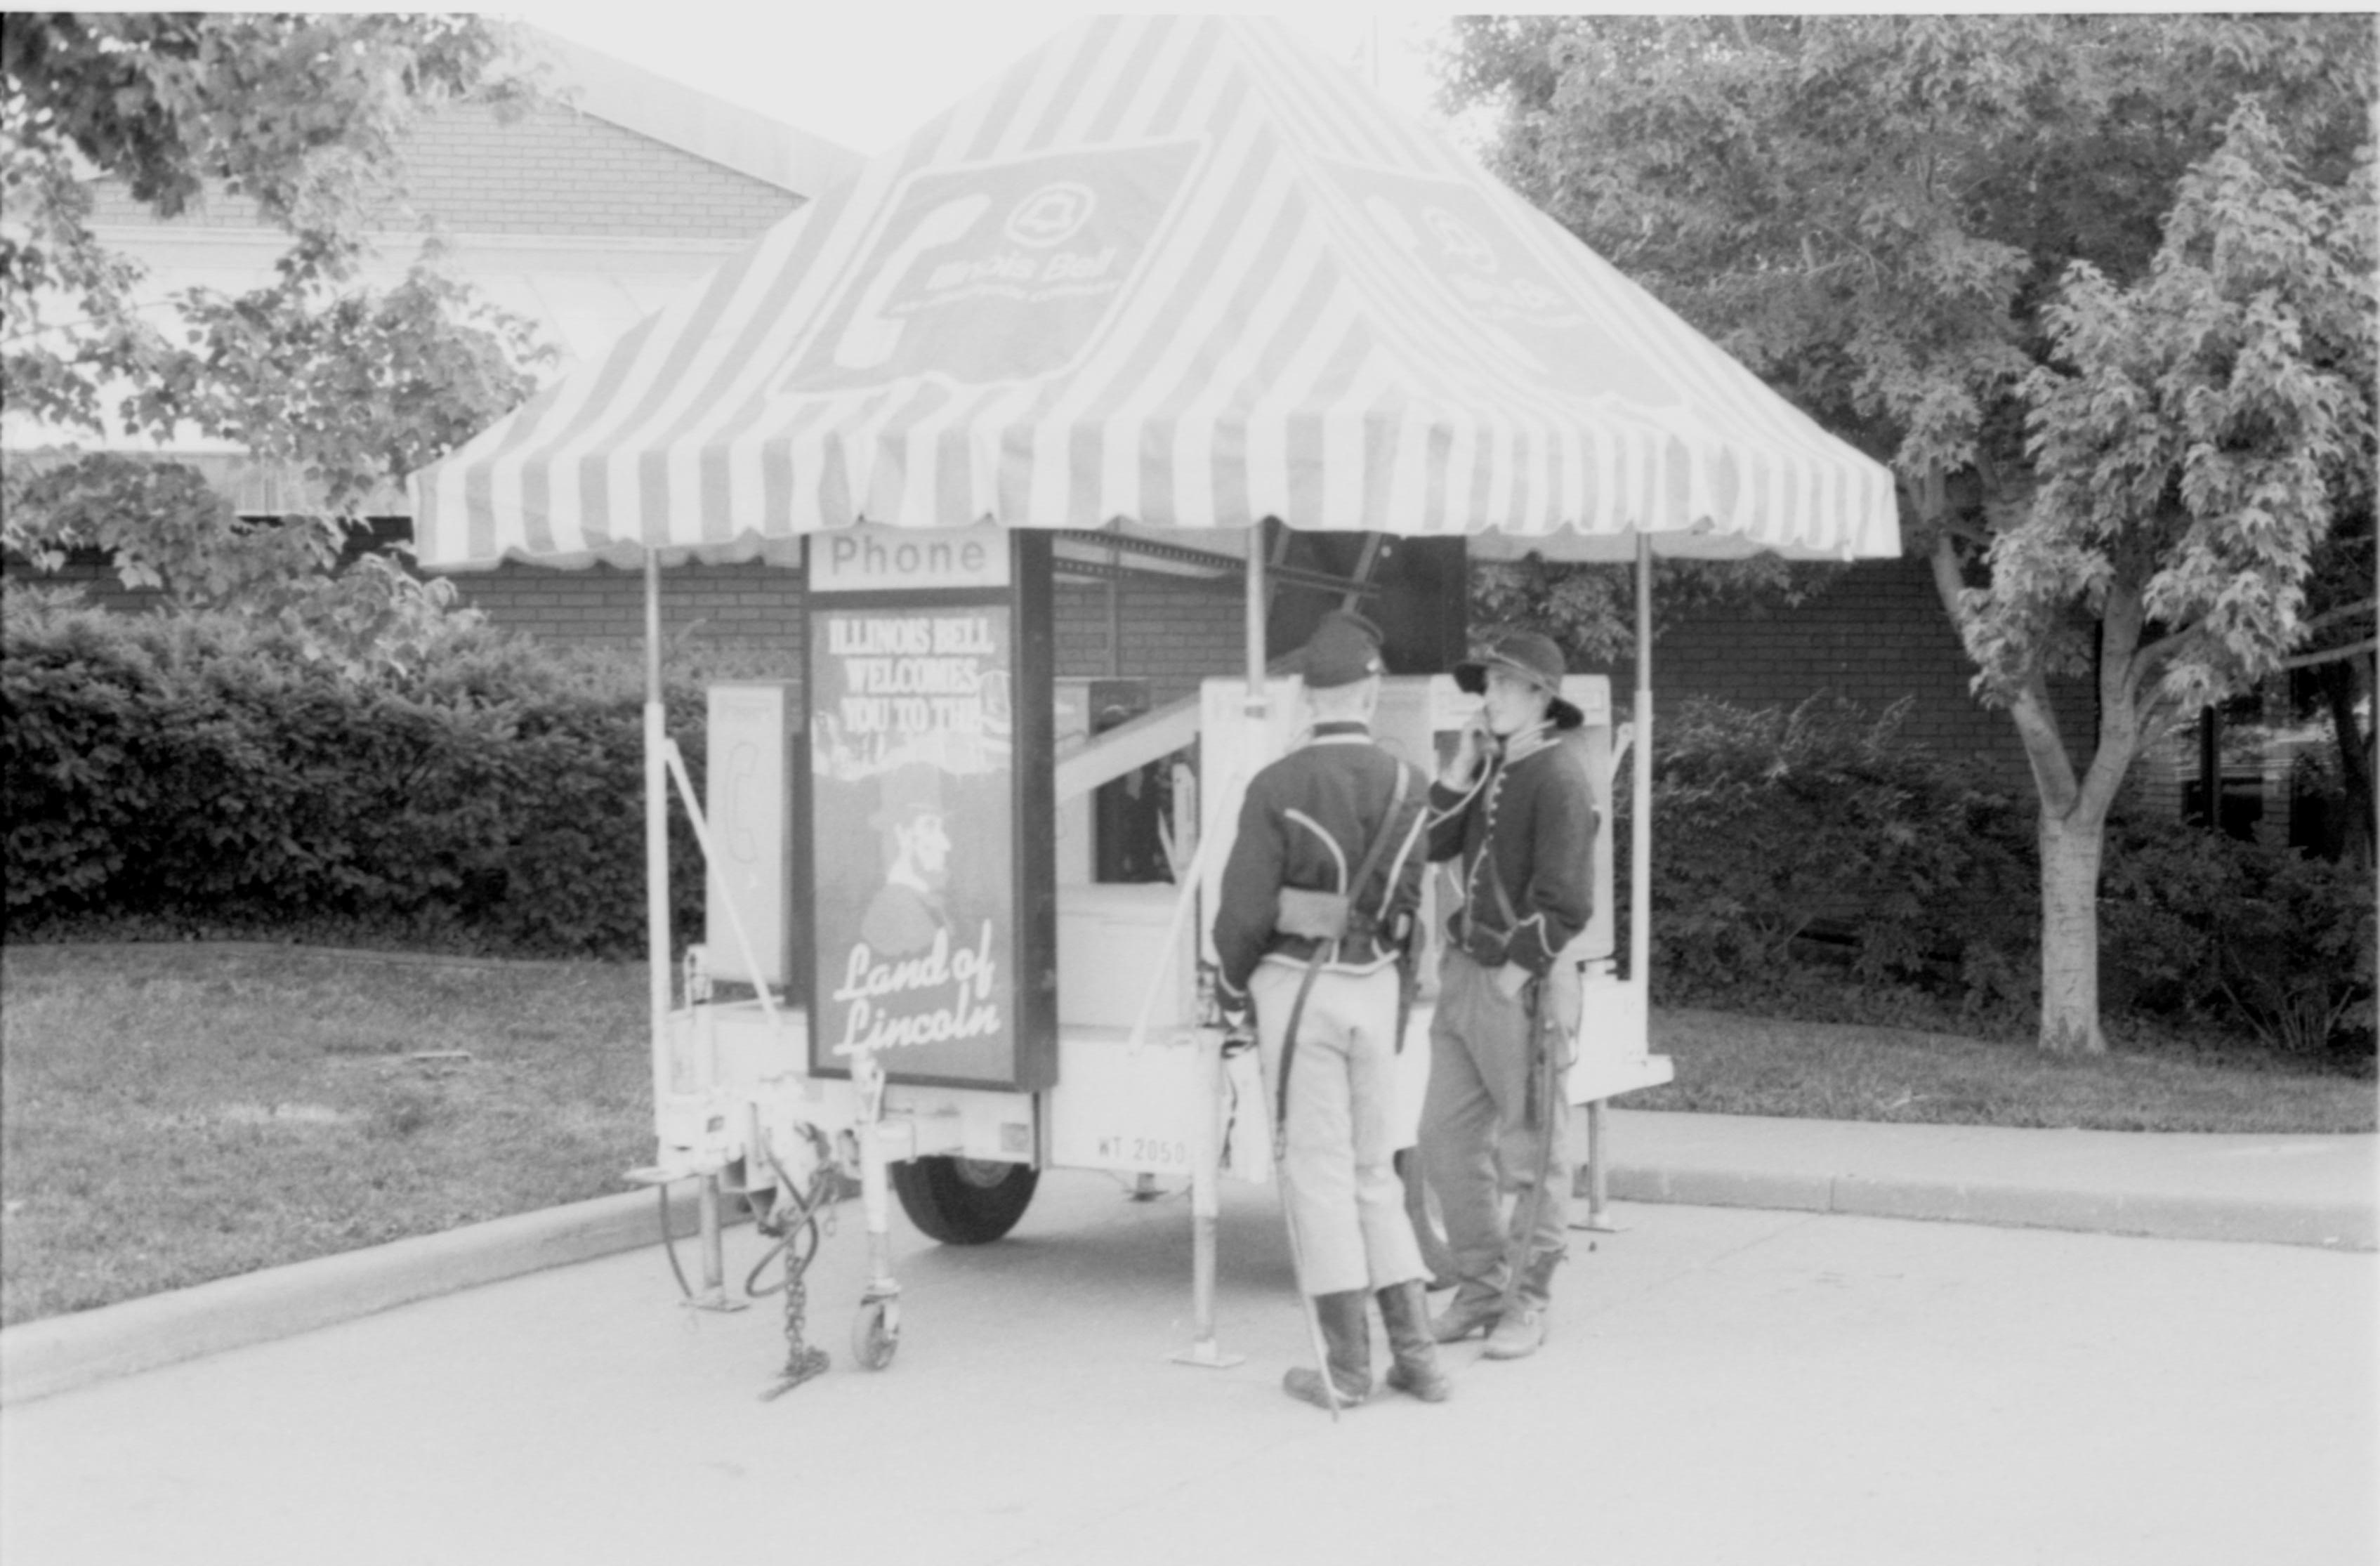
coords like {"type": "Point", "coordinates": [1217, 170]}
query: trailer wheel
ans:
{"type": "Point", "coordinates": [964, 1201]}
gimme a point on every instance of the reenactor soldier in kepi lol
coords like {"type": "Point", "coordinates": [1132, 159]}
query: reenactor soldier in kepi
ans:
{"type": "Point", "coordinates": [1314, 925]}
{"type": "Point", "coordinates": [1515, 811]}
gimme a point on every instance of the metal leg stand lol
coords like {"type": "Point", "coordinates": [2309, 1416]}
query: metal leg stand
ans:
{"type": "Point", "coordinates": [714, 1296]}
{"type": "Point", "coordinates": [876, 1332]}
{"type": "Point", "coordinates": [1206, 1158]}
{"type": "Point", "coordinates": [1599, 1219]}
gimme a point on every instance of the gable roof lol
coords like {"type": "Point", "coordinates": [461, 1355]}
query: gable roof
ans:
{"type": "Point", "coordinates": [584, 290]}
{"type": "Point", "coordinates": [711, 129]}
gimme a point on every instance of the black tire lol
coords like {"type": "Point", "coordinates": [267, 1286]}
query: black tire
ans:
{"type": "Point", "coordinates": [964, 1201]}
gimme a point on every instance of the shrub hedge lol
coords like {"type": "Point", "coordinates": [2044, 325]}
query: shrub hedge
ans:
{"type": "Point", "coordinates": [197, 770]}
{"type": "Point", "coordinates": [200, 773]}
{"type": "Point", "coordinates": [1785, 837]}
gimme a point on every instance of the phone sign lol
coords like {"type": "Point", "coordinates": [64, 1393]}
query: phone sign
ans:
{"type": "Point", "coordinates": [871, 557]}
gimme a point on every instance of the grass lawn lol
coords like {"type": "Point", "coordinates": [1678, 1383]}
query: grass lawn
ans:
{"type": "Point", "coordinates": [1732, 1064]}
{"type": "Point", "coordinates": [173, 1113]}
{"type": "Point", "coordinates": [170, 1114]}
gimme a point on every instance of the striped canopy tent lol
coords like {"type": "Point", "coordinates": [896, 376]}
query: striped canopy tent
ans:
{"type": "Point", "coordinates": [1180, 275]}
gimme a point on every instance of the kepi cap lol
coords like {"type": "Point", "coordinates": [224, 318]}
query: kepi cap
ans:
{"type": "Point", "coordinates": [1343, 649]}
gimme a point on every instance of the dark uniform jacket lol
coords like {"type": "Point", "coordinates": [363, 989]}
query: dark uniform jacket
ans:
{"type": "Point", "coordinates": [1532, 817]}
{"type": "Point", "coordinates": [1307, 822]}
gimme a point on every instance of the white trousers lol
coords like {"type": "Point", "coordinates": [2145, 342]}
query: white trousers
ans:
{"type": "Point", "coordinates": [1337, 1172]}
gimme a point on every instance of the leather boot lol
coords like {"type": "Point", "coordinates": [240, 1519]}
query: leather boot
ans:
{"type": "Point", "coordinates": [1347, 1348]}
{"type": "Point", "coordinates": [1521, 1331]}
{"type": "Point", "coordinates": [1464, 1316]}
{"type": "Point", "coordinates": [1411, 1349]}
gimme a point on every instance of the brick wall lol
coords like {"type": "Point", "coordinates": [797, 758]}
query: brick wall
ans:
{"type": "Point", "coordinates": [1876, 634]}
{"type": "Point", "coordinates": [754, 607]}
{"type": "Point", "coordinates": [553, 171]}
{"type": "Point", "coordinates": [1172, 637]}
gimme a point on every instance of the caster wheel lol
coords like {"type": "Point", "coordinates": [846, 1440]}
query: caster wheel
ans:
{"type": "Point", "coordinates": [875, 1334]}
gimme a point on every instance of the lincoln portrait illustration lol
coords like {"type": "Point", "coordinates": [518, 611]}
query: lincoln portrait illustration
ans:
{"type": "Point", "coordinates": [906, 912]}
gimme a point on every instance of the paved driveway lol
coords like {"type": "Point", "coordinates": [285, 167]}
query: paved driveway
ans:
{"type": "Point", "coordinates": [1723, 1386]}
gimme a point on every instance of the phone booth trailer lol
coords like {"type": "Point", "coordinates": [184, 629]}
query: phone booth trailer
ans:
{"type": "Point", "coordinates": [1170, 278]}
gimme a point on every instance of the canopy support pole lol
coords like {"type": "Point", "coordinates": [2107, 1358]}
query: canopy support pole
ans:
{"type": "Point", "coordinates": [1640, 861]}
{"type": "Point", "coordinates": [657, 930]}
{"type": "Point", "coordinates": [713, 1295]}
{"type": "Point", "coordinates": [1255, 619]}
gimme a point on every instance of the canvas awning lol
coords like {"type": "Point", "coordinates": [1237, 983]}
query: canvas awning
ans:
{"type": "Point", "coordinates": [1175, 271]}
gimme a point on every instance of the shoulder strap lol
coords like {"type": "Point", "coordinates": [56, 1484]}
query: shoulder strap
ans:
{"type": "Point", "coordinates": [1381, 839]}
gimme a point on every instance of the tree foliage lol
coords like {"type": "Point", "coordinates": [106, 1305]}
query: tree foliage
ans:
{"type": "Point", "coordinates": [2195, 432]}
{"type": "Point", "coordinates": [2098, 288]}
{"type": "Point", "coordinates": [1591, 608]}
{"type": "Point", "coordinates": [1870, 211]}
{"type": "Point", "coordinates": [349, 386]}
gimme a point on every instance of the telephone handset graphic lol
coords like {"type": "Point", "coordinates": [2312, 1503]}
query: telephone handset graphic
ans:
{"type": "Point", "coordinates": [872, 336]}
{"type": "Point", "coordinates": [743, 798]}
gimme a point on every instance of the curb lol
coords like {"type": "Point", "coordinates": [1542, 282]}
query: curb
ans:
{"type": "Point", "coordinates": [61, 1352]}
{"type": "Point", "coordinates": [284, 948]}
{"type": "Point", "coordinates": [2331, 1225]}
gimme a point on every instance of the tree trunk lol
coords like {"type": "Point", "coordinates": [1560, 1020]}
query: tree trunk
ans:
{"type": "Point", "coordinates": [2338, 682]}
{"type": "Point", "coordinates": [2071, 849]}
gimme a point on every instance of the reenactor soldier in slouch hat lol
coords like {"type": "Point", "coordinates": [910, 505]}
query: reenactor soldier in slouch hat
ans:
{"type": "Point", "coordinates": [1514, 810]}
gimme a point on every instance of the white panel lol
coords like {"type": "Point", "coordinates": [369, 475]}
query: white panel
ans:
{"type": "Point", "coordinates": [749, 752]}
{"type": "Point", "coordinates": [1125, 1108]}
{"type": "Point", "coordinates": [1614, 1045]}
{"type": "Point", "coordinates": [1113, 949]}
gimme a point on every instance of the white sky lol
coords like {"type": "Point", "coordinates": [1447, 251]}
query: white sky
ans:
{"type": "Point", "coordinates": [865, 75]}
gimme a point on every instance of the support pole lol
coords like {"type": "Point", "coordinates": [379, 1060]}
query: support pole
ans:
{"type": "Point", "coordinates": [1254, 622]}
{"type": "Point", "coordinates": [1206, 1154]}
{"type": "Point", "coordinates": [1640, 864]}
{"type": "Point", "coordinates": [1640, 886]}
{"type": "Point", "coordinates": [1598, 1173]}
{"type": "Point", "coordinates": [713, 1293]}
{"type": "Point", "coordinates": [1206, 1130]}
{"type": "Point", "coordinates": [657, 909]}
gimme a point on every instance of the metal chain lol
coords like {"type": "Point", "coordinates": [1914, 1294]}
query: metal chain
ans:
{"type": "Point", "coordinates": [785, 1222]}
{"type": "Point", "coordinates": [802, 1361]}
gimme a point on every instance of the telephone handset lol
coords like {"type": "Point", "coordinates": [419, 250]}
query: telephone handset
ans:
{"type": "Point", "coordinates": [1477, 745]}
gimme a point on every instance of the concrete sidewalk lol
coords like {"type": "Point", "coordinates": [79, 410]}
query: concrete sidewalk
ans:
{"type": "Point", "coordinates": [2315, 1191]}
